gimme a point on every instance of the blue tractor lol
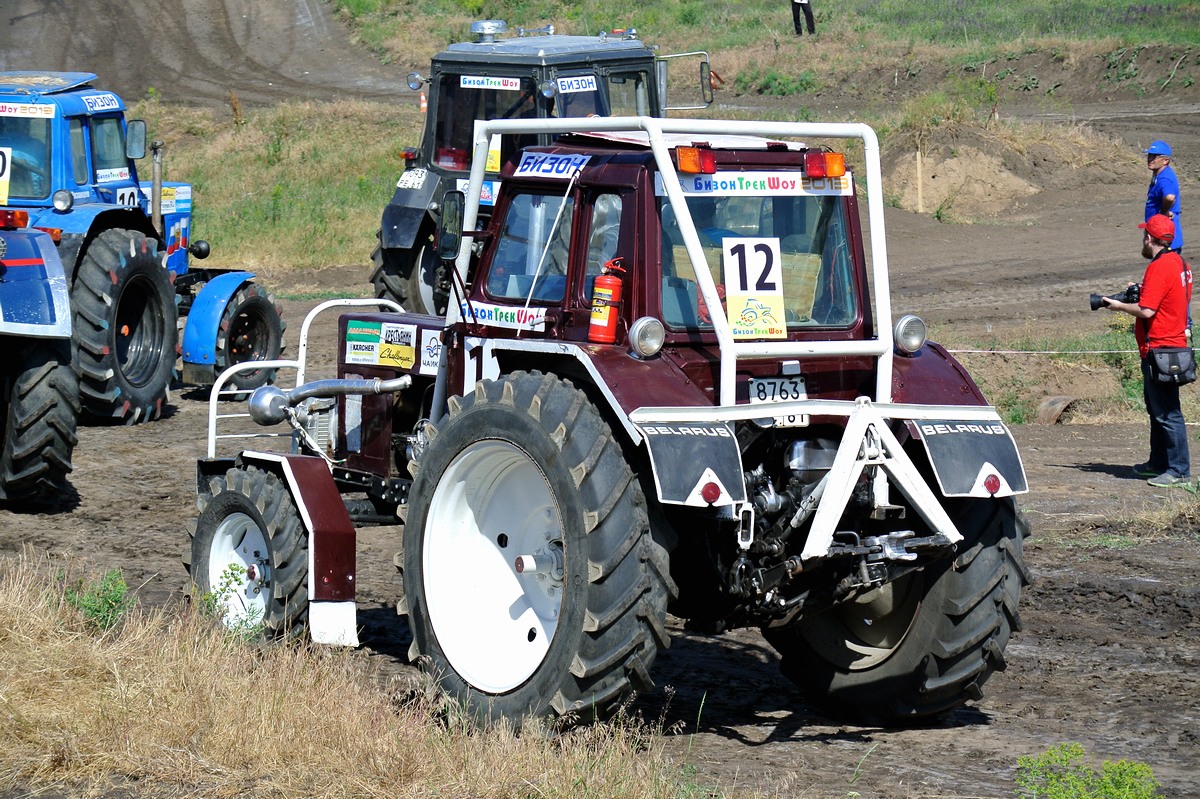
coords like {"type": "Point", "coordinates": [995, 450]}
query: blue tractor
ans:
{"type": "Point", "coordinates": [69, 161]}
{"type": "Point", "coordinates": [39, 391]}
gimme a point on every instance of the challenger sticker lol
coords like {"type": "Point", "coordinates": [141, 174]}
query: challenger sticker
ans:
{"type": "Point", "coordinates": [754, 286]}
{"type": "Point", "coordinates": [483, 82]}
{"type": "Point", "coordinates": [381, 344]}
{"type": "Point", "coordinates": [506, 316]}
{"type": "Point", "coordinates": [545, 165]}
{"type": "Point", "coordinates": [761, 183]}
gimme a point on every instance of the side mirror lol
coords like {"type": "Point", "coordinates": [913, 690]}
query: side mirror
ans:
{"type": "Point", "coordinates": [135, 139]}
{"type": "Point", "coordinates": [450, 224]}
{"type": "Point", "coordinates": [706, 86]}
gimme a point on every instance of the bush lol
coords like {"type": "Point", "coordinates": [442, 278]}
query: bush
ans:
{"type": "Point", "coordinates": [1059, 773]}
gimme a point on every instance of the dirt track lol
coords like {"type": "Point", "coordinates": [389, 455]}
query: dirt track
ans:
{"type": "Point", "coordinates": [1110, 653]}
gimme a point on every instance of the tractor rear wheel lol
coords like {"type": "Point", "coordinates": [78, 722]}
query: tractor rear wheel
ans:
{"type": "Point", "coordinates": [39, 407]}
{"type": "Point", "coordinates": [249, 553]}
{"type": "Point", "coordinates": [125, 326]}
{"type": "Point", "coordinates": [532, 583]}
{"type": "Point", "coordinates": [251, 329]}
{"type": "Point", "coordinates": [412, 277]}
{"type": "Point", "coordinates": [922, 645]}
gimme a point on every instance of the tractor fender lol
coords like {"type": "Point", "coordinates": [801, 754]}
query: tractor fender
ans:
{"type": "Point", "coordinates": [83, 223]}
{"type": "Point", "coordinates": [962, 453]}
{"type": "Point", "coordinates": [332, 616]}
{"type": "Point", "coordinates": [34, 299]}
{"type": "Point", "coordinates": [204, 318]}
{"type": "Point", "coordinates": [406, 214]}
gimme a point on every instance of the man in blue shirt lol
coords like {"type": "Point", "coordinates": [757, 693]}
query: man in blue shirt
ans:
{"type": "Point", "coordinates": [1163, 195]}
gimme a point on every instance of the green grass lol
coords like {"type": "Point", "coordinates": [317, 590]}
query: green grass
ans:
{"type": "Point", "coordinates": [1061, 773]}
{"type": "Point", "coordinates": [973, 25]}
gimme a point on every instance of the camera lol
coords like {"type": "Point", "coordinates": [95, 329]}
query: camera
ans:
{"type": "Point", "coordinates": [1131, 294]}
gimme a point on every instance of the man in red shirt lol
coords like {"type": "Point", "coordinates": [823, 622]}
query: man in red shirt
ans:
{"type": "Point", "coordinates": [1161, 313]}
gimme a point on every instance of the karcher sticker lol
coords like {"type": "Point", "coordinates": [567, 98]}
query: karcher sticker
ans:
{"type": "Point", "coordinates": [381, 344]}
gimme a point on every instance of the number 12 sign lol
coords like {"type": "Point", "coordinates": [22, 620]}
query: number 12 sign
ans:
{"type": "Point", "coordinates": [754, 287]}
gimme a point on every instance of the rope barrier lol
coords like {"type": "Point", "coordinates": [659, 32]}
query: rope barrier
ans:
{"type": "Point", "coordinates": [1042, 352]}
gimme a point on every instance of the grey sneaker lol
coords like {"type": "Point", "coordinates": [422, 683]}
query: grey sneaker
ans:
{"type": "Point", "coordinates": [1168, 479]}
{"type": "Point", "coordinates": [1146, 470]}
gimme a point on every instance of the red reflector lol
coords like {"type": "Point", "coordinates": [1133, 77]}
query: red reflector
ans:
{"type": "Point", "coordinates": [991, 483]}
{"type": "Point", "coordinates": [710, 493]}
{"type": "Point", "coordinates": [14, 219]}
{"type": "Point", "coordinates": [814, 164]}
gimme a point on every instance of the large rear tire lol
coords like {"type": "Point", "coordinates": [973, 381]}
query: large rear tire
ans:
{"type": "Point", "coordinates": [125, 326]}
{"type": "Point", "coordinates": [412, 277]}
{"type": "Point", "coordinates": [39, 407]}
{"type": "Point", "coordinates": [249, 553]}
{"type": "Point", "coordinates": [525, 469]}
{"type": "Point", "coordinates": [251, 329]}
{"type": "Point", "coordinates": [925, 644]}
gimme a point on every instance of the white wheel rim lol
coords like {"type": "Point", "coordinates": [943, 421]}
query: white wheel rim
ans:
{"type": "Point", "coordinates": [239, 572]}
{"type": "Point", "coordinates": [494, 625]}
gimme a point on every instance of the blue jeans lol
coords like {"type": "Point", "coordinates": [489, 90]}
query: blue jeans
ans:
{"type": "Point", "coordinates": [1168, 435]}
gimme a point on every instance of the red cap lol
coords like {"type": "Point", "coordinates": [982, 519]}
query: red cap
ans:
{"type": "Point", "coordinates": [1160, 227]}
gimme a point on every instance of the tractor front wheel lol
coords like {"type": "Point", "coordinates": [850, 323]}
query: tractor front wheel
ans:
{"type": "Point", "coordinates": [39, 407]}
{"type": "Point", "coordinates": [414, 277]}
{"type": "Point", "coordinates": [249, 553]}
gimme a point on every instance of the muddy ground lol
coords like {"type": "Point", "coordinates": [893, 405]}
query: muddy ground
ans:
{"type": "Point", "coordinates": [1110, 651]}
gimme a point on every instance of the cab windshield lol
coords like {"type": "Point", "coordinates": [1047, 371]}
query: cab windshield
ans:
{"type": "Point", "coordinates": [26, 142]}
{"type": "Point", "coordinates": [779, 261]}
{"type": "Point", "coordinates": [462, 99]}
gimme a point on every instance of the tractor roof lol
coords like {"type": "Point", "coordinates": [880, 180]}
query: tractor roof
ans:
{"type": "Point", "coordinates": [547, 50]}
{"type": "Point", "coordinates": [33, 82]}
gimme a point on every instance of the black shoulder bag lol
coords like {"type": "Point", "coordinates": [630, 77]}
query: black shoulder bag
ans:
{"type": "Point", "coordinates": [1173, 365]}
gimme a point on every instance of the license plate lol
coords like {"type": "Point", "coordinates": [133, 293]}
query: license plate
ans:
{"type": "Point", "coordinates": [766, 391]}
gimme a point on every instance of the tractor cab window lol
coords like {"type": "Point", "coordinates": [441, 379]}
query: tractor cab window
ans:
{"type": "Point", "coordinates": [108, 150]}
{"type": "Point", "coordinates": [579, 96]}
{"type": "Point", "coordinates": [531, 256]}
{"type": "Point", "coordinates": [79, 162]}
{"type": "Point", "coordinates": [464, 98]}
{"type": "Point", "coordinates": [28, 143]}
{"type": "Point", "coordinates": [629, 94]}
{"type": "Point", "coordinates": [812, 237]}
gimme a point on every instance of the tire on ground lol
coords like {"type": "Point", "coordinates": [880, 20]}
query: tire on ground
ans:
{"type": "Point", "coordinates": [39, 408]}
{"type": "Point", "coordinates": [251, 329]}
{"type": "Point", "coordinates": [249, 553]}
{"type": "Point", "coordinates": [927, 644]}
{"type": "Point", "coordinates": [125, 328]}
{"type": "Point", "coordinates": [526, 466]}
{"type": "Point", "coordinates": [409, 276]}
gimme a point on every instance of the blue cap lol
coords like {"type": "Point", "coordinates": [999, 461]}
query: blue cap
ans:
{"type": "Point", "coordinates": [1158, 148]}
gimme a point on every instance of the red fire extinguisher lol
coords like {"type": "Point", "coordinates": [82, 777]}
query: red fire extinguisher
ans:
{"type": "Point", "coordinates": [606, 297]}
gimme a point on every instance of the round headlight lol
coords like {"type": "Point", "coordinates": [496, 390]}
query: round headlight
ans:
{"type": "Point", "coordinates": [909, 333]}
{"type": "Point", "coordinates": [548, 88]}
{"type": "Point", "coordinates": [415, 81]}
{"type": "Point", "coordinates": [63, 200]}
{"type": "Point", "coordinates": [646, 337]}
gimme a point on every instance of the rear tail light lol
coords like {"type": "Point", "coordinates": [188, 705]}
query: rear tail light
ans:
{"type": "Point", "coordinates": [821, 164]}
{"type": "Point", "coordinates": [14, 219]}
{"type": "Point", "coordinates": [696, 160]}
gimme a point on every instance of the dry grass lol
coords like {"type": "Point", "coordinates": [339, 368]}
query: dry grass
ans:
{"type": "Point", "coordinates": [170, 702]}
